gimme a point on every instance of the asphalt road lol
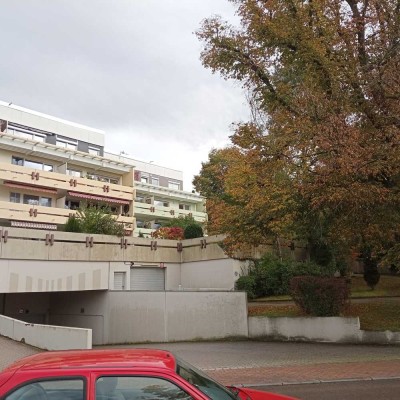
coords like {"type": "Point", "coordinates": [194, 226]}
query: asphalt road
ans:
{"type": "Point", "coordinates": [385, 389]}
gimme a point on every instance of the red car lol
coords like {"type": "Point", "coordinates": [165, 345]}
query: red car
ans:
{"type": "Point", "coordinates": [131, 374]}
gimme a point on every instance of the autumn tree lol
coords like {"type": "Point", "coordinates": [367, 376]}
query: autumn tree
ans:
{"type": "Point", "coordinates": [320, 158]}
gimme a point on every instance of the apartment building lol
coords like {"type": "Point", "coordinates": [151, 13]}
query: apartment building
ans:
{"type": "Point", "coordinates": [49, 167]}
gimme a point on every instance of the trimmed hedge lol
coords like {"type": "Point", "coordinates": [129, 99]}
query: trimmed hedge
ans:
{"type": "Point", "coordinates": [320, 296]}
{"type": "Point", "coordinates": [193, 231]}
{"type": "Point", "coordinates": [270, 276]}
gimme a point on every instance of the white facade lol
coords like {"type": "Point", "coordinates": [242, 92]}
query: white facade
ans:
{"type": "Point", "coordinates": [49, 163]}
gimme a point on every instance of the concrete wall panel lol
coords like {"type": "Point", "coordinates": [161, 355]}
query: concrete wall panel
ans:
{"type": "Point", "coordinates": [205, 315]}
{"type": "Point", "coordinates": [214, 274]}
{"type": "Point", "coordinates": [136, 317]}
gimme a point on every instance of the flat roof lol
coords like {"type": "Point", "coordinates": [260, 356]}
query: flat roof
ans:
{"type": "Point", "coordinates": [64, 121]}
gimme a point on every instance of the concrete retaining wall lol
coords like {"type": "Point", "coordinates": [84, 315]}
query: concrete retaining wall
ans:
{"type": "Point", "coordinates": [315, 329]}
{"type": "Point", "coordinates": [130, 316]}
{"type": "Point", "coordinates": [48, 337]}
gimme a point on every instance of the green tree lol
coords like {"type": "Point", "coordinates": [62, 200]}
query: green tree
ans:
{"type": "Point", "coordinates": [320, 158]}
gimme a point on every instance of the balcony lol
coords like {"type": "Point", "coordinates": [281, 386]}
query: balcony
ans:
{"type": "Point", "coordinates": [46, 217]}
{"type": "Point", "coordinates": [149, 210]}
{"type": "Point", "coordinates": [59, 187]}
{"type": "Point", "coordinates": [36, 180]}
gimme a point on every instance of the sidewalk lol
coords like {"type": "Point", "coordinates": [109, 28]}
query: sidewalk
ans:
{"type": "Point", "coordinates": [263, 363]}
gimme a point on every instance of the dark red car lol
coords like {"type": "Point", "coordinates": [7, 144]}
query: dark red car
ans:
{"type": "Point", "coordinates": [131, 374]}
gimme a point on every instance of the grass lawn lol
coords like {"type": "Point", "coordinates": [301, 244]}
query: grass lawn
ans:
{"type": "Point", "coordinates": [388, 286]}
{"type": "Point", "coordinates": [375, 315]}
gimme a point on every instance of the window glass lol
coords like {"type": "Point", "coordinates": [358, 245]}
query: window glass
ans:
{"type": "Point", "coordinates": [184, 207]}
{"type": "Point", "coordinates": [144, 179]}
{"type": "Point", "coordinates": [66, 144]}
{"type": "Point", "coordinates": [30, 199]}
{"type": "Point", "coordinates": [17, 161]}
{"type": "Point", "coordinates": [33, 164]}
{"type": "Point", "coordinates": [65, 389]}
{"type": "Point", "coordinates": [138, 387]}
{"type": "Point", "coordinates": [74, 172]}
{"type": "Point", "coordinates": [39, 138]}
{"type": "Point", "coordinates": [94, 151]}
{"type": "Point", "coordinates": [204, 383]}
{"type": "Point", "coordinates": [155, 181]}
{"type": "Point", "coordinates": [15, 197]}
{"type": "Point", "coordinates": [45, 201]}
{"type": "Point", "coordinates": [174, 185]}
{"type": "Point", "coordinates": [161, 203]}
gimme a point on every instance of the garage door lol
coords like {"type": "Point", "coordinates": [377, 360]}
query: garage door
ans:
{"type": "Point", "coordinates": [147, 278]}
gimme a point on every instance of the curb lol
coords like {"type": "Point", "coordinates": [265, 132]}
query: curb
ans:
{"type": "Point", "coordinates": [317, 381]}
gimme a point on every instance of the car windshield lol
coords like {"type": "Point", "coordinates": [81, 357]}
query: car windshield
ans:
{"type": "Point", "coordinates": [204, 383]}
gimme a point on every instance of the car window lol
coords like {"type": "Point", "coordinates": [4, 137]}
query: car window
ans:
{"type": "Point", "coordinates": [138, 388]}
{"type": "Point", "coordinates": [204, 383]}
{"type": "Point", "coordinates": [55, 389]}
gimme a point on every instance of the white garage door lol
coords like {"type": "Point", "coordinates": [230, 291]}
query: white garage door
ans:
{"type": "Point", "coordinates": [147, 278]}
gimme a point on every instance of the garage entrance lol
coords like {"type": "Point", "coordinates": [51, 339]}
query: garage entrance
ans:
{"type": "Point", "coordinates": [147, 278]}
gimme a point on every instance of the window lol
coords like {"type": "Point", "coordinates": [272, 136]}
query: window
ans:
{"type": "Point", "coordinates": [94, 150]}
{"type": "Point", "coordinates": [15, 197]}
{"type": "Point", "coordinates": [30, 199]}
{"type": "Point", "coordinates": [184, 207]}
{"type": "Point", "coordinates": [138, 387]}
{"type": "Point", "coordinates": [161, 203]}
{"type": "Point", "coordinates": [69, 389]}
{"type": "Point", "coordinates": [74, 172]}
{"type": "Point", "coordinates": [144, 179]}
{"type": "Point", "coordinates": [45, 201]}
{"type": "Point", "coordinates": [17, 161]}
{"type": "Point", "coordinates": [36, 200]}
{"type": "Point", "coordinates": [155, 181]}
{"type": "Point", "coordinates": [101, 178]}
{"type": "Point", "coordinates": [210, 388]}
{"type": "Point", "coordinates": [67, 143]}
{"type": "Point", "coordinates": [37, 137]}
{"type": "Point", "coordinates": [31, 164]}
{"type": "Point", "coordinates": [72, 205]}
{"type": "Point", "coordinates": [174, 185]}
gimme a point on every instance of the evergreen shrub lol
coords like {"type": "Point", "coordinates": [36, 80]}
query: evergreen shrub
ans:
{"type": "Point", "coordinates": [320, 296]}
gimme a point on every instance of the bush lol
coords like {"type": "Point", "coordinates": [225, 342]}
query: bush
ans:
{"type": "Point", "coordinates": [246, 283]}
{"type": "Point", "coordinates": [193, 231]}
{"type": "Point", "coordinates": [320, 296]}
{"type": "Point", "coordinates": [272, 275]}
{"type": "Point", "coordinates": [72, 225]}
{"type": "Point", "coordinates": [173, 233]}
{"type": "Point", "coordinates": [94, 220]}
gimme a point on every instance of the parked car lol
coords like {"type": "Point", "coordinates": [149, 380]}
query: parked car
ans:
{"type": "Point", "coordinates": [123, 374]}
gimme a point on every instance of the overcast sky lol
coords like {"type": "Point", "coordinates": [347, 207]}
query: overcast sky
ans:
{"type": "Point", "coordinates": [128, 67]}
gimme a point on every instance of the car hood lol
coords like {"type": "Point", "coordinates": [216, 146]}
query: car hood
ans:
{"type": "Point", "coordinates": [251, 394]}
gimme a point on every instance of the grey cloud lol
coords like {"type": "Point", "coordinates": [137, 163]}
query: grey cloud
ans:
{"type": "Point", "coordinates": [122, 65]}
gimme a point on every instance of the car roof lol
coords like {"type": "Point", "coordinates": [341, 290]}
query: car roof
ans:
{"type": "Point", "coordinates": [95, 359]}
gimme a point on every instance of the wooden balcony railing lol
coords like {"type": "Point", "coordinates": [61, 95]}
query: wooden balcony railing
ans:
{"type": "Point", "coordinates": [166, 212]}
{"type": "Point", "coordinates": [47, 215]}
{"type": "Point", "coordinates": [54, 180]}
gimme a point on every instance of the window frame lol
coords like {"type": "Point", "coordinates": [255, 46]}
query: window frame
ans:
{"type": "Point", "coordinates": [172, 378]}
{"type": "Point", "coordinates": [82, 378]}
